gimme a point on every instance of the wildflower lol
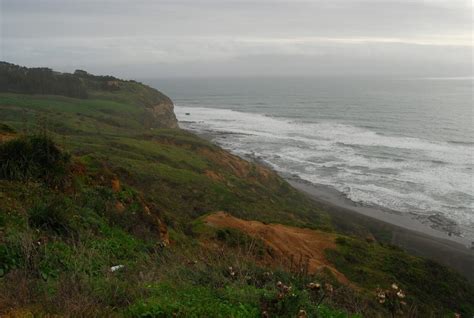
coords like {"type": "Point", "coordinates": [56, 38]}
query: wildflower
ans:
{"type": "Point", "coordinates": [116, 268]}
{"type": "Point", "coordinates": [395, 286]}
{"type": "Point", "coordinates": [400, 294]}
{"type": "Point", "coordinates": [314, 286]}
{"type": "Point", "coordinates": [381, 296]}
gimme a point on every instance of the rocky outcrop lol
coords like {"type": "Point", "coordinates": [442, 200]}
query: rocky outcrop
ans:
{"type": "Point", "coordinates": [161, 115]}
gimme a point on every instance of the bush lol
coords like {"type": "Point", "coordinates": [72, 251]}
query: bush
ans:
{"type": "Point", "coordinates": [32, 157]}
{"type": "Point", "coordinates": [54, 216]}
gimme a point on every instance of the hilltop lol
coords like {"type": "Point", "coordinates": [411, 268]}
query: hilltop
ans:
{"type": "Point", "coordinates": [107, 208]}
{"type": "Point", "coordinates": [154, 109]}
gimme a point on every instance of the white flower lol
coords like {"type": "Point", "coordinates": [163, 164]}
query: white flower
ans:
{"type": "Point", "coordinates": [400, 294]}
{"type": "Point", "coordinates": [116, 268]}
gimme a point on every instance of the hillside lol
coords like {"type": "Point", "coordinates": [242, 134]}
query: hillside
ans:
{"type": "Point", "coordinates": [153, 109]}
{"type": "Point", "coordinates": [104, 213]}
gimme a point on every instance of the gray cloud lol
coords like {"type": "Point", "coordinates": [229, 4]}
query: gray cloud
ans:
{"type": "Point", "coordinates": [189, 37]}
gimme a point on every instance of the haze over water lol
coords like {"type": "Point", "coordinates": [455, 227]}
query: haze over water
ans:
{"type": "Point", "coordinates": [406, 145]}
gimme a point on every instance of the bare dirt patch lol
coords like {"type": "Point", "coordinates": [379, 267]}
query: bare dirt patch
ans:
{"type": "Point", "coordinates": [286, 242]}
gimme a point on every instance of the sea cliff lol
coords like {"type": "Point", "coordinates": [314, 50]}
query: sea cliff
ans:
{"type": "Point", "coordinates": [107, 208]}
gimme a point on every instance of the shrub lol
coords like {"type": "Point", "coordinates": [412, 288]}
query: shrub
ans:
{"type": "Point", "coordinates": [9, 258]}
{"type": "Point", "coordinates": [32, 157]}
{"type": "Point", "coordinates": [54, 216]}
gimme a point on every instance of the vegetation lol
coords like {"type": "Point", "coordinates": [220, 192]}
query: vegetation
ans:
{"type": "Point", "coordinates": [101, 216]}
{"type": "Point", "coordinates": [373, 266]}
{"type": "Point", "coordinates": [32, 157]}
{"type": "Point", "coordinates": [83, 86]}
{"type": "Point", "coordinates": [39, 80]}
{"type": "Point", "coordinates": [5, 129]}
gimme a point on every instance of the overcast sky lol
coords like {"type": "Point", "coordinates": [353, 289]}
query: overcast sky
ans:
{"type": "Point", "coordinates": [156, 38]}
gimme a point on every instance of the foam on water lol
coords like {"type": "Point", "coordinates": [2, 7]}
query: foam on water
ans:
{"type": "Point", "coordinates": [405, 174]}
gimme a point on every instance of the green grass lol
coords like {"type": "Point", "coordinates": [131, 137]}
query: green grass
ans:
{"type": "Point", "coordinates": [372, 266]}
{"type": "Point", "coordinates": [59, 242]}
{"type": "Point", "coordinates": [169, 164]}
{"type": "Point", "coordinates": [50, 238]}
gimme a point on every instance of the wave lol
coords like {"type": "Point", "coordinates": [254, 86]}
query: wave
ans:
{"type": "Point", "coordinates": [397, 172]}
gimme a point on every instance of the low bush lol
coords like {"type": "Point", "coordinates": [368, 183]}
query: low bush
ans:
{"type": "Point", "coordinates": [32, 157]}
{"type": "Point", "coordinates": [54, 216]}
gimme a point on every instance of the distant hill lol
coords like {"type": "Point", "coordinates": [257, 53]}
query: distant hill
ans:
{"type": "Point", "coordinates": [157, 107]}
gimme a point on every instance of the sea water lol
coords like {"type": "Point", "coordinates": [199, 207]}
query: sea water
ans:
{"type": "Point", "coordinates": [405, 144]}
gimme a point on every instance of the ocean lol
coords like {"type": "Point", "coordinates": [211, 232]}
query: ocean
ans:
{"type": "Point", "coordinates": [404, 145]}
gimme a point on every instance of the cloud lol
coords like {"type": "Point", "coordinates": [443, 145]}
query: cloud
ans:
{"type": "Point", "coordinates": [121, 36]}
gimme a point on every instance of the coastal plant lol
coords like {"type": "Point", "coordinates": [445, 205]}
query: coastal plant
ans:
{"type": "Point", "coordinates": [54, 216]}
{"type": "Point", "coordinates": [58, 244]}
{"type": "Point", "coordinates": [393, 299]}
{"type": "Point", "coordinates": [33, 157]}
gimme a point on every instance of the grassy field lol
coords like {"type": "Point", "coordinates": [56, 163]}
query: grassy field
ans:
{"type": "Point", "coordinates": [128, 191]}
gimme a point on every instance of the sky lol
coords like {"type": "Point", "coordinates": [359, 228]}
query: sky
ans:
{"type": "Point", "coordinates": [226, 38]}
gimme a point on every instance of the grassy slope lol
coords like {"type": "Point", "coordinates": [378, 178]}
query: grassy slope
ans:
{"type": "Point", "coordinates": [161, 161]}
{"type": "Point", "coordinates": [178, 177]}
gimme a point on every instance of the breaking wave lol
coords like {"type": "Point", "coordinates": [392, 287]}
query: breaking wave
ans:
{"type": "Point", "coordinates": [406, 174]}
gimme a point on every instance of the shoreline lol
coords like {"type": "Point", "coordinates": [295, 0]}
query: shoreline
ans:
{"type": "Point", "coordinates": [333, 197]}
{"type": "Point", "coordinates": [417, 242]}
{"type": "Point", "coordinates": [406, 232]}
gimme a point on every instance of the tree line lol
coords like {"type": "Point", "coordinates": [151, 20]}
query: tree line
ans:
{"type": "Point", "coordinates": [43, 80]}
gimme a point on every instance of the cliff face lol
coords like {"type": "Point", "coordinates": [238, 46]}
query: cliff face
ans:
{"type": "Point", "coordinates": [161, 115]}
{"type": "Point", "coordinates": [158, 108]}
